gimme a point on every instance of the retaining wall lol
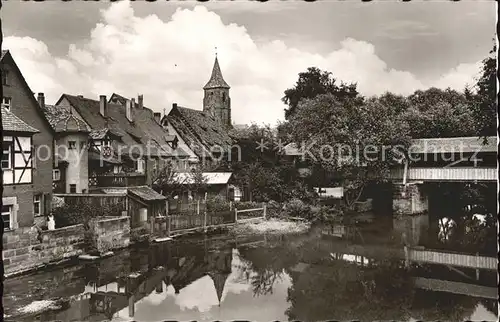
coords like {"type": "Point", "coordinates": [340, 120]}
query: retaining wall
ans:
{"type": "Point", "coordinates": [110, 233]}
{"type": "Point", "coordinates": [30, 248]}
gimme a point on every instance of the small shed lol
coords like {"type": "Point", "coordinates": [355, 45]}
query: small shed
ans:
{"type": "Point", "coordinates": [144, 203]}
{"type": "Point", "coordinates": [218, 183]}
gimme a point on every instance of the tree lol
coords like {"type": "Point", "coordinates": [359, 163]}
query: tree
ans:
{"type": "Point", "coordinates": [355, 142]}
{"type": "Point", "coordinates": [439, 113]}
{"type": "Point", "coordinates": [261, 169]}
{"type": "Point", "coordinates": [398, 102]}
{"type": "Point", "coordinates": [484, 101]}
{"type": "Point", "coordinates": [315, 82]}
{"type": "Point", "coordinates": [167, 181]}
{"type": "Point", "coordinates": [170, 183]}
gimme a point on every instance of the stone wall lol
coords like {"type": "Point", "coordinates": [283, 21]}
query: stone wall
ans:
{"type": "Point", "coordinates": [110, 233]}
{"type": "Point", "coordinates": [409, 199]}
{"type": "Point", "coordinates": [30, 248]}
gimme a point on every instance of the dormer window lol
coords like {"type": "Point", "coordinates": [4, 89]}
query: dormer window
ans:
{"type": "Point", "coordinates": [6, 103]}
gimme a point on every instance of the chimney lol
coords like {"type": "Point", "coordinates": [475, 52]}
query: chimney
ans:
{"type": "Point", "coordinates": [128, 110]}
{"type": "Point", "coordinates": [103, 105]}
{"type": "Point", "coordinates": [79, 96]}
{"type": "Point", "coordinates": [140, 101]}
{"type": "Point", "coordinates": [133, 102]}
{"type": "Point", "coordinates": [41, 100]}
{"type": "Point", "coordinates": [174, 105]}
{"type": "Point", "coordinates": [157, 117]}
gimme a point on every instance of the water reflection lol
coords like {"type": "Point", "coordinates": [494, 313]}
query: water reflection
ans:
{"type": "Point", "coordinates": [302, 277]}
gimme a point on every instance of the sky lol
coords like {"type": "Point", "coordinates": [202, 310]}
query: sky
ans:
{"type": "Point", "coordinates": [166, 50]}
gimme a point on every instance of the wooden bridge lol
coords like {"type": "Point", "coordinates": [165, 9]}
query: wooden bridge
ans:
{"type": "Point", "coordinates": [446, 174]}
{"type": "Point", "coordinates": [449, 159]}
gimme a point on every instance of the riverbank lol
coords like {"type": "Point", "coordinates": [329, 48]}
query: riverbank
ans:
{"type": "Point", "coordinates": [271, 226]}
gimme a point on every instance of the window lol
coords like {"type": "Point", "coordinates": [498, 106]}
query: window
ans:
{"type": "Point", "coordinates": [72, 188]}
{"type": "Point", "coordinates": [83, 145]}
{"type": "Point", "coordinates": [7, 155]}
{"type": "Point", "coordinates": [7, 217]}
{"type": "Point", "coordinates": [7, 102]}
{"type": "Point", "coordinates": [71, 145]}
{"type": "Point", "coordinates": [139, 166]}
{"type": "Point", "coordinates": [4, 77]}
{"type": "Point", "coordinates": [37, 209]}
{"type": "Point", "coordinates": [106, 143]}
{"type": "Point", "coordinates": [223, 97]}
{"type": "Point", "coordinates": [56, 174]}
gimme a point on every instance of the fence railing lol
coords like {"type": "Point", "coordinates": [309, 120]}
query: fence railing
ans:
{"type": "Point", "coordinates": [177, 207]}
{"type": "Point", "coordinates": [178, 222]}
{"type": "Point", "coordinates": [250, 214]}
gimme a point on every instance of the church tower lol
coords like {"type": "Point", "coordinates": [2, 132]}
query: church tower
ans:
{"type": "Point", "coordinates": [216, 100]}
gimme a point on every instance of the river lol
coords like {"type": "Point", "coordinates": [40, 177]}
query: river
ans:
{"type": "Point", "coordinates": [258, 278]}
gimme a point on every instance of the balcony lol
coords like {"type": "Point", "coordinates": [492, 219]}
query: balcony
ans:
{"type": "Point", "coordinates": [131, 179]}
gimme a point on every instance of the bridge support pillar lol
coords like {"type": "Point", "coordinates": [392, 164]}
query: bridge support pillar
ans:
{"type": "Point", "coordinates": [409, 199]}
{"type": "Point", "coordinates": [410, 207]}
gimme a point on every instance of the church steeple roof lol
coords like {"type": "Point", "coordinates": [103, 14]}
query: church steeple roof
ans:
{"type": "Point", "coordinates": [219, 280]}
{"type": "Point", "coordinates": [216, 79]}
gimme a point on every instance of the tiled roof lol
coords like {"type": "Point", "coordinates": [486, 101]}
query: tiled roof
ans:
{"type": "Point", "coordinates": [63, 120]}
{"type": "Point", "coordinates": [116, 122]}
{"type": "Point", "coordinates": [209, 177]}
{"type": "Point", "coordinates": [119, 99]}
{"type": "Point", "coordinates": [6, 57]}
{"type": "Point", "coordinates": [146, 193]}
{"type": "Point", "coordinates": [12, 123]}
{"type": "Point", "coordinates": [199, 130]}
{"type": "Point", "coordinates": [156, 135]}
{"type": "Point", "coordinates": [216, 79]}
{"type": "Point", "coordinates": [457, 145]}
{"type": "Point", "coordinates": [170, 138]}
{"type": "Point", "coordinates": [432, 145]}
{"type": "Point", "coordinates": [98, 134]}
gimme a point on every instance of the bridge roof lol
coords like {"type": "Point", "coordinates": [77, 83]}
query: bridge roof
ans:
{"type": "Point", "coordinates": [454, 145]}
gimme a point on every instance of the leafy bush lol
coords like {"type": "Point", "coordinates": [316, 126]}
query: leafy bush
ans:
{"type": "Point", "coordinates": [297, 208]}
{"type": "Point", "coordinates": [325, 214]}
{"type": "Point", "coordinates": [68, 215]}
{"type": "Point", "coordinates": [217, 203]}
{"type": "Point", "coordinates": [274, 209]}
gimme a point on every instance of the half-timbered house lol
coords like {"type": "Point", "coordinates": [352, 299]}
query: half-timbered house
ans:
{"type": "Point", "coordinates": [19, 203]}
{"type": "Point", "coordinates": [28, 140]}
